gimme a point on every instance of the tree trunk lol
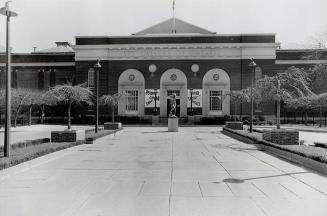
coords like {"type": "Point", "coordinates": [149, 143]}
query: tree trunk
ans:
{"type": "Point", "coordinates": [42, 114]}
{"type": "Point", "coordinates": [278, 114]}
{"type": "Point", "coordinates": [320, 116]}
{"type": "Point", "coordinates": [235, 110]}
{"type": "Point", "coordinates": [113, 114]}
{"type": "Point", "coordinates": [69, 108]}
{"type": "Point", "coordinates": [15, 121]}
{"type": "Point", "coordinates": [306, 117]}
{"type": "Point", "coordinates": [30, 116]}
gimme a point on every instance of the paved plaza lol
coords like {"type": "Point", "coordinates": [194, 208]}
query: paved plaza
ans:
{"type": "Point", "coordinates": [148, 171]}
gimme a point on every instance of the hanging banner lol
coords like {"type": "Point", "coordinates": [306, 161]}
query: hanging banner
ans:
{"type": "Point", "coordinates": [196, 98]}
{"type": "Point", "coordinates": [149, 98]}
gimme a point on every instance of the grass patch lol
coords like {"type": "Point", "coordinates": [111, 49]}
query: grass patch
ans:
{"type": "Point", "coordinates": [315, 153]}
{"type": "Point", "coordinates": [20, 155]}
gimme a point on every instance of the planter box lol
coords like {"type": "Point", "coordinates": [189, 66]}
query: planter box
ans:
{"type": "Point", "coordinates": [320, 144]}
{"type": "Point", "coordinates": [155, 119]}
{"type": "Point", "coordinates": [112, 126]}
{"type": "Point", "coordinates": [67, 136]}
{"type": "Point", "coordinates": [281, 136]}
{"type": "Point", "coordinates": [173, 124]}
{"type": "Point", "coordinates": [234, 125]}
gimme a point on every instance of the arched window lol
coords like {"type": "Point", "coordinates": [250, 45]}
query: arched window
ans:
{"type": "Point", "coordinates": [216, 83]}
{"type": "Point", "coordinates": [131, 83]}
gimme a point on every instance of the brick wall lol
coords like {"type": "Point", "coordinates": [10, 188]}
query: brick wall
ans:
{"type": "Point", "coordinates": [281, 136]}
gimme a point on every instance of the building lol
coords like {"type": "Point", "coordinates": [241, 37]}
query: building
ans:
{"type": "Point", "coordinates": [161, 60]}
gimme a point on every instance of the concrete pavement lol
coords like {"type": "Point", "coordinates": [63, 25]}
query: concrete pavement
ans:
{"type": "Point", "coordinates": [148, 171]}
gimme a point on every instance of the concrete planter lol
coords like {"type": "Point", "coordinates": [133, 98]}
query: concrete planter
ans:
{"type": "Point", "coordinates": [155, 119]}
{"type": "Point", "coordinates": [112, 126]}
{"type": "Point", "coordinates": [234, 125]}
{"type": "Point", "coordinates": [281, 136]}
{"type": "Point", "coordinates": [67, 136]}
{"type": "Point", "coordinates": [173, 124]}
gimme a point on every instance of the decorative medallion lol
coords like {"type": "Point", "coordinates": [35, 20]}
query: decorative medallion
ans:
{"type": "Point", "coordinates": [173, 77]}
{"type": "Point", "coordinates": [195, 68]}
{"type": "Point", "coordinates": [215, 77]}
{"type": "Point", "coordinates": [152, 68]}
{"type": "Point", "coordinates": [131, 77]}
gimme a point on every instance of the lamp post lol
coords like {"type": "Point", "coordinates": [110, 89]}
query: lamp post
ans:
{"type": "Point", "coordinates": [252, 67]}
{"type": "Point", "coordinates": [97, 68]}
{"type": "Point", "coordinates": [8, 13]}
{"type": "Point", "coordinates": [155, 100]}
{"type": "Point", "coordinates": [191, 91]}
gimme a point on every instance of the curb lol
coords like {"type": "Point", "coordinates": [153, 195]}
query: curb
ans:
{"type": "Point", "coordinates": [275, 151]}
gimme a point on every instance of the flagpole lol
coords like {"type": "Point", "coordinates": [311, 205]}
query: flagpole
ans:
{"type": "Point", "coordinates": [174, 21]}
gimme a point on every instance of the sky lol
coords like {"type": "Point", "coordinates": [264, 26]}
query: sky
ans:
{"type": "Point", "coordinates": [42, 22]}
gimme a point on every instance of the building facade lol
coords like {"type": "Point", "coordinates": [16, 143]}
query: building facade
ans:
{"type": "Point", "coordinates": [156, 63]}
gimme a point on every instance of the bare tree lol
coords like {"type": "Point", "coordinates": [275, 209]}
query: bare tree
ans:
{"type": "Point", "coordinates": [292, 83]}
{"type": "Point", "coordinates": [44, 100]}
{"type": "Point", "coordinates": [239, 96]}
{"type": "Point", "coordinates": [19, 99]}
{"type": "Point", "coordinates": [112, 101]}
{"type": "Point", "coordinates": [30, 102]}
{"type": "Point", "coordinates": [71, 94]}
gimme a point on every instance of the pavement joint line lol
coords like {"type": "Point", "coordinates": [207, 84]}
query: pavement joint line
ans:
{"type": "Point", "coordinates": [171, 175]}
{"type": "Point", "coordinates": [214, 157]}
{"type": "Point", "coordinates": [261, 209]}
{"type": "Point", "coordinates": [290, 175]}
{"type": "Point", "coordinates": [141, 189]}
{"type": "Point", "coordinates": [254, 185]}
{"type": "Point", "coordinates": [230, 188]}
{"type": "Point", "coordinates": [289, 190]}
{"type": "Point", "coordinates": [200, 189]}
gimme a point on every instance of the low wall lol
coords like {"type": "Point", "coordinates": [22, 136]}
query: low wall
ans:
{"type": "Point", "coordinates": [281, 136]}
{"type": "Point", "coordinates": [67, 136]}
{"type": "Point", "coordinates": [235, 125]}
{"type": "Point", "coordinates": [112, 126]}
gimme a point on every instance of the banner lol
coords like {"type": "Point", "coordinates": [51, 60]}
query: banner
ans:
{"type": "Point", "coordinates": [196, 98]}
{"type": "Point", "coordinates": [149, 98]}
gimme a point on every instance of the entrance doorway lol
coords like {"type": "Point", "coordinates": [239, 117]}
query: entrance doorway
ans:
{"type": "Point", "coordinates": [178, 109]}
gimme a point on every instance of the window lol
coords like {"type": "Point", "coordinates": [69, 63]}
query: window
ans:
{"type": "Point", "coordinates": [215, 100]}
{"type": "Point", "coordinates": [131, 100]}
{"type": "Point", "coordinates": [90, 78]}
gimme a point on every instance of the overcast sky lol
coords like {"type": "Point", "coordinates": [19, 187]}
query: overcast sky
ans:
{"type": "Point", "coordinates": [42, 22]}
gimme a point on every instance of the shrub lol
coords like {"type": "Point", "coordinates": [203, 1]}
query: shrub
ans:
{"type": "Point", "coordinates": [217, 120]}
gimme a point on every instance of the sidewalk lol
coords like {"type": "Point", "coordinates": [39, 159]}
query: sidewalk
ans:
{"type": "Point", "coordinates": [148, 171]}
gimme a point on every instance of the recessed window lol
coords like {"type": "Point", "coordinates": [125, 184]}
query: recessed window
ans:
{"type": "Point", "coordinates": [215, 100]}
{"type": "Point", "coordinates": [132, 98]}
{"type": "Point", "coordinates": [90, 78]}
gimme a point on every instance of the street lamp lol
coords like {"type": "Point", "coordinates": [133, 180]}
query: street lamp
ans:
{"type": "Point", "coordinates": [155, 100]}
{"type": "Point", "coordinates": [8, 13]}
{"type": "Point", "coordinates": [191, 91]}
{"type": "Point", "coordinates": [252, 67]}
{"type": "Point", "coordinates": [97, 68]}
